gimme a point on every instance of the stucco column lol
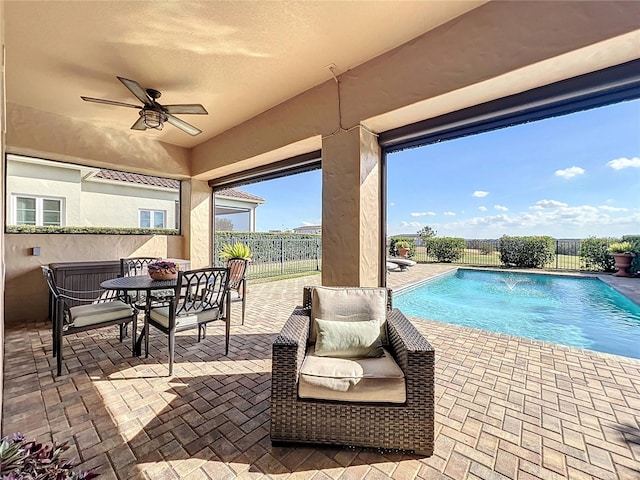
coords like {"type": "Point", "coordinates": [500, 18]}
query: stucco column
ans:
{"type": "Point", "coordinates": [197, 220]}
{"type": "Point", "coordinates": [351, 209]}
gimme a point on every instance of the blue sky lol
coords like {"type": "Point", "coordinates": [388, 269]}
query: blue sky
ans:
{"type": "Point", "coordinates": [568, 177]}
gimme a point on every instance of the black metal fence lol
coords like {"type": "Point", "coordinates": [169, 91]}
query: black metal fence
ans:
{"type": "Point", "coordinates": [274, 255]}
{"type": "Point", "coordinates": [486, 253]}
{"type": "Point", "coordinates": [289, 254]}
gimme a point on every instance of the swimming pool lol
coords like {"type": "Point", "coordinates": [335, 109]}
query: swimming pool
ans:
{"type": "Point", "coordinates": [575, 311]}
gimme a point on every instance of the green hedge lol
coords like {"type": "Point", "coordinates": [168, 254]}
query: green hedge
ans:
{"type": "Point", "coordinates": [595, 256]}
{"type": "Point", "coordinates": [91, 230]}
{"type": "Point", "coordinates": [527, 252]}
{"type": "Point", "coordinates": [267, 247]}
{"type": "Point", "coordinates": [445, 249]}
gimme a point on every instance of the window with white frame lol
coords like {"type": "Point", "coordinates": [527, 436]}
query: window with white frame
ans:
{"type": "Point", "coordinates": [39, 211]}
{"type": "Point", "coordinates": [152, 219]}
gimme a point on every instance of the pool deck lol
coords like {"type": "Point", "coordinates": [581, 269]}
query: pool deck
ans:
{"type": "Point", "coordinates": [506, 407]}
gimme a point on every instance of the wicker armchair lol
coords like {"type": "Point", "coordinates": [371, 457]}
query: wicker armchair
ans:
{"type": "Point", "coordinates": [406, 426]}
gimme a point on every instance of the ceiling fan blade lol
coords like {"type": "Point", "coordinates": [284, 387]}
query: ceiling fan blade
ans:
{"type": "Point", "coordinates": [186, 108]}
{"type": "Point", "coordinates": [182, 125]}
{"type": "Point", "coordinates": [135, 88]}
{"type": "Point", "coordinates": [139, 125]}
{"type": "Point", "coordinates": [110, 102]}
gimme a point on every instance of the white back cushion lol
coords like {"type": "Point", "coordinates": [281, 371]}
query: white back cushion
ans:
{"type": "Point", "coordinates": [349, 304]}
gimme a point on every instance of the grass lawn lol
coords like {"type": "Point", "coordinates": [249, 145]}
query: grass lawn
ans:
{"type": "Point", "coordinates": [472, 256]}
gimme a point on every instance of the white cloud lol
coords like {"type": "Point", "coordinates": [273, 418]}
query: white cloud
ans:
{"type": "Point", "coordinates": [620, 163]}
{"type": "Point", "coordinates": [482, 209]}
{"type": "Point", "coordinates": [558, 220]}
{"type": "Point", "coordinates": [392, 204]}
{"type": "Point", "coordinates": [502, 208]}
{"type": "Point", "coordinates": [609, 208]}
{"type": "Point", "coordinates": [410, 224]}
{"type": "Point", "coordinates": [449, 214]}
{"type": "Point", "coordinates": [422, 214]}
{"type": "Point", "coordinates": [542, 204]}
{"type": "Point", "coordinates": [570, 172]}
{"type": "Point", "coordinates": [480, 194]}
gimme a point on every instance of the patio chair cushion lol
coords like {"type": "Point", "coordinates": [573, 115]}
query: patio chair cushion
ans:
{"type": "Point", "coordinates": [94, 313]}
{"type": "Point", "coordinates": [348, 339]}
{"type": "Point", "coordinates": [349, 304]}
{"type": "Point", "coordinates": [352, 380]}
{"type": "Point", "coordinates": [161, 315]}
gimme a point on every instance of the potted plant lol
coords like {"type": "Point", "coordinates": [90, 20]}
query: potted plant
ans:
{"type": "Point", "coordinates": [236, 250]}
{"type": "Point", "coordinates": [163, 270]}
{"type": "Point", "coordinates": [622, 254]}
{"type": "Point", "coordinates": [403, 247]}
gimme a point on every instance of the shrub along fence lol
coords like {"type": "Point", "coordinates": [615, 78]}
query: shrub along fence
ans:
{"type": "Point", "coordinates": [276, 254]}
{"type": "Point", "coordinates": [527, 252]}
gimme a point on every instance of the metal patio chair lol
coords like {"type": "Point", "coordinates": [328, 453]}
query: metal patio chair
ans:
{"type": "Point", "coordinates": [92, 309]}
{"type": "Point", "coordinates": [200, 297]}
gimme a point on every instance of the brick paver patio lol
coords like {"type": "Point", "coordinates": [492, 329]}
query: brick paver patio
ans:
{"type": "Point", "coordinates": [506, 407]}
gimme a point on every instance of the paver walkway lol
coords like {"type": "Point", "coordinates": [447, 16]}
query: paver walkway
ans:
{"type": "Point", "coordinates": [506, 407]}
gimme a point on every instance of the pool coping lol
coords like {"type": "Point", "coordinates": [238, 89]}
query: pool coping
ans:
{"type": "Point", "coordinates": [627, 286]}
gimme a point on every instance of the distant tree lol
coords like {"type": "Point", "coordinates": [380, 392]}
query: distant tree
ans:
{"type": "Point", "coordinates": [224, 225]}
{"type": "Point", "coordinates": [427, 232]}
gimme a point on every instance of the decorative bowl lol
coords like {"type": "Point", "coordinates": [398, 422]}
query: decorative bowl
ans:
{"type": "Point", "coordinates": [163, 275]}
{"type": "Point", "coordinates": [163, 270]}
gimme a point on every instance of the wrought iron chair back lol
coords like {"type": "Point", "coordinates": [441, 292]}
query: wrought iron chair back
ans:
{"type": "Point", "coordinates": [238, 281]}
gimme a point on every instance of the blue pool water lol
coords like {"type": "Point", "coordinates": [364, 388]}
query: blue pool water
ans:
{"type": "Point", "coordinates": [579, 312]}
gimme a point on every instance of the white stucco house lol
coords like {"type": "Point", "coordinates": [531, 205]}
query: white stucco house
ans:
{"type": "Point", "coordinates": [45, 193]}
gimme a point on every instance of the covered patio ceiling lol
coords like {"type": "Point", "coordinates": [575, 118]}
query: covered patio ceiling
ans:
{"type": "Point", "coordinates": [237, 59]}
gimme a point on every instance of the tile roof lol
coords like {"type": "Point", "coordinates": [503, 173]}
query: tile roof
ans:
{"type": "Point", "coordinates": [235, 193]}
{"type": "Point", "coordinates": [137, 178]}
{"type": "Point", "coordinates": [116, 175]}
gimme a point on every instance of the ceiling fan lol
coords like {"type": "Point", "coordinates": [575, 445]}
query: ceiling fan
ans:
{"type": "Point", "coordinates": [152, 114]}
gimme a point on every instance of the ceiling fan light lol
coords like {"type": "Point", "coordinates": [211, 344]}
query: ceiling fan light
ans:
{"type": "Point", "coordinates": [153, 119]}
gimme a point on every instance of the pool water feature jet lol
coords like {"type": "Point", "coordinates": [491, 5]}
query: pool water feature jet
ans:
{"type": "Point", "coordinates": [511, 281]}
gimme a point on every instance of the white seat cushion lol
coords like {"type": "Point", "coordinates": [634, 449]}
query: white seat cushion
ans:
{"type": "Point", "coordinates": [352, 379]}
{"type": "Point", "coordinates": [161, 315]}
{"type": "Point", "coordinates": [91, 314]}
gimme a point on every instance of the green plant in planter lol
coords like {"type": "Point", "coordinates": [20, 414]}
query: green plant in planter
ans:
{"type": "Point", "coordinates": [22, 459]}
{"type": "Point", "coordinates": [620, 247]}
{"type": "Point", "coordinates": [237, 250]}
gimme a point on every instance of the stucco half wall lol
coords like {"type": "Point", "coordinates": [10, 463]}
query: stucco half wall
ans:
{"type": "Point", "coordinates": [26, 293]}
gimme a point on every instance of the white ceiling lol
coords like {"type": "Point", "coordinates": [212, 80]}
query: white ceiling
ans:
{"type": "Point", "coordinates": [238, 59]}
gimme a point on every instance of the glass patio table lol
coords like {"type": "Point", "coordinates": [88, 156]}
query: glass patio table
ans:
{"type": "Point", "coordinates": [139, 283]}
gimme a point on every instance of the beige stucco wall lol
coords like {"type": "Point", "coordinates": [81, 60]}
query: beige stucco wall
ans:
{"type": "Point", "coordinates": [197, 226]}
{"type": "Point", "coordinates": [35, 133]}
{"type": "Point", "coordinates": [351, 209]}
{"type": "Point", "coordinates": [25, 289]}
